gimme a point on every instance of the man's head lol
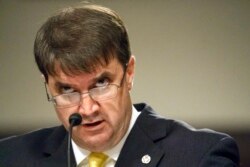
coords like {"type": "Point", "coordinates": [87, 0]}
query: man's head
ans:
{"type": "Point", "coordinates": [85, 57]}
{"type": "Point", "coordinates": [79, 39]}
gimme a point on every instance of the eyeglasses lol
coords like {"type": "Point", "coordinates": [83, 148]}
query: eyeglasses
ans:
{"type": "Point", "coordinates": [75, 98]}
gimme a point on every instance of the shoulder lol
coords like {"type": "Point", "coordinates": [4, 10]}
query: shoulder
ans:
{"type": "Point", "coordinates": [18, 148]}
{"type": "Point", "coordinates": [185, 141]}
{"type": "Point", "coordinates": [149, 120]}
{"type": "Point", "coordinates": [29, 138]}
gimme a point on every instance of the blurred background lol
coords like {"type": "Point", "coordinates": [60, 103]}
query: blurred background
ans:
{"type": "Point", "coordinates": [193, 63]}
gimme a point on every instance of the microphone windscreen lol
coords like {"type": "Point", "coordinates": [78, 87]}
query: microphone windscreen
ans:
{"type": "Point", "coordinates": [75, 119]}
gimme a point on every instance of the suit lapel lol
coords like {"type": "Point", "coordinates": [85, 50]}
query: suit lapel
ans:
{"type": "Point", "coordinates": [140, 148]}
{"type": "Point", "coordinates": [135, 148]}
{"type": "Point", "coordinates": [55, 150]}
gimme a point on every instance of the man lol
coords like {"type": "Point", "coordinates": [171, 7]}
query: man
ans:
{"type": "Point", "coordinates": [85, 58]}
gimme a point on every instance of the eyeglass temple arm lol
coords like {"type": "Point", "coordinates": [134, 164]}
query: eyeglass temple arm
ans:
{"type": "Point", "coordinates": [47, 93]}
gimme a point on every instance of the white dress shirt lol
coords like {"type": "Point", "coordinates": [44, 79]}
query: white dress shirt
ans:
{"type": "Point", "coordinates": [81, 155]}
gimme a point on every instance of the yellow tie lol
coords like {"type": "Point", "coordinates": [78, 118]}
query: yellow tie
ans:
{"type": "Point", "coordinates": [97, 159]}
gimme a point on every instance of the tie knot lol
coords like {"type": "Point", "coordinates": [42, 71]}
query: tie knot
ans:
{"type": "Point", "coordinates": [97, 159]}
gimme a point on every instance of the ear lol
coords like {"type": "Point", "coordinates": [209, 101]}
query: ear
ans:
{"type": "Point", "coordinates": [130, 72]}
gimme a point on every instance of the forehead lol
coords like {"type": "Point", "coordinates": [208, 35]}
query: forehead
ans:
{"type": "Point", "coordinates": [113, 67]}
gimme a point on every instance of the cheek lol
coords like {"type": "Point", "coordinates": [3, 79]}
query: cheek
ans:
{"type": "Point", "coordinates": [114, 112]}
{"type": "Point", "coordinates": [63, 115]}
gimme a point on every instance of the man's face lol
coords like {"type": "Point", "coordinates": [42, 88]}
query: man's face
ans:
{"type": "Point", "coordinates": [104, 122]}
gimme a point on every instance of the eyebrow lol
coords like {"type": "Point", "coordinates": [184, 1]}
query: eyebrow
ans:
{"type": "Point", "coordinates": [105, 74]}
{"type": "Point", "coordinates": [59, 85]}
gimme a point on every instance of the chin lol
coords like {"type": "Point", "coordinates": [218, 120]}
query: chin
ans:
{"type": "Point", "coordinates": [97, 143]}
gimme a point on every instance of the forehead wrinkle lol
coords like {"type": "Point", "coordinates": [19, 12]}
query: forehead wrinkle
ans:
{"type": "Point", "coordinates": [107, 71]}
{"type": "Point", "coordinates": [58, 83]}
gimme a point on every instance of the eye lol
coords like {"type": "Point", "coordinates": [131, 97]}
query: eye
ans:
{"type": "Point", "coordinates": [66, 89]}
{"type": "Point", "coordinates": [102, 82]}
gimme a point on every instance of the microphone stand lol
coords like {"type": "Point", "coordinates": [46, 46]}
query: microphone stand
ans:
{"type": "Point", "coordinates": [74, 120]}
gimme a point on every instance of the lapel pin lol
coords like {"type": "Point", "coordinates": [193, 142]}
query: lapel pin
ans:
{"type": "Point", "coordinates": [146, 159]}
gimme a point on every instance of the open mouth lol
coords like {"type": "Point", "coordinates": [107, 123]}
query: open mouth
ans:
{"type": "Point", "coordinates": [93, 124]}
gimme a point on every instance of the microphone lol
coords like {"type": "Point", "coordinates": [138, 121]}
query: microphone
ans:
{"type": "Point", "coordinates": [74, 120]}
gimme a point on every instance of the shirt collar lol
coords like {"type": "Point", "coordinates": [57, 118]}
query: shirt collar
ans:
{"type": "Point", "coordinates": [81, 154]}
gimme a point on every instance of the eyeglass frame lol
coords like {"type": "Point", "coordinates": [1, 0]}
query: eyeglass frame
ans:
{"type": "Point", "coordinates": [51, 99]}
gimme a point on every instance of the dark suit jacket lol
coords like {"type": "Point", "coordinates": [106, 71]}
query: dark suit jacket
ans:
{"type": "Point", "coordinates": [168, 143]}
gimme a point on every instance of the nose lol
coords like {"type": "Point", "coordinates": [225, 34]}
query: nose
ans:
{"type": "Point", "coordinates": [88, 106]}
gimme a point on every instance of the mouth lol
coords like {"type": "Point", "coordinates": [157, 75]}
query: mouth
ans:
{"type": "Point", "coordinates": [92, 124]}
